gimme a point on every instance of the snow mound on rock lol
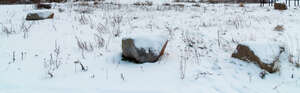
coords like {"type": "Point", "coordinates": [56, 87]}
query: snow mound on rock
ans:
{"type": "Point", "coordinates": [42, 13]}
{"type": "Point", "coordinates": [266, 51]}
{"type": "Point", "coordinates": [149, 40]}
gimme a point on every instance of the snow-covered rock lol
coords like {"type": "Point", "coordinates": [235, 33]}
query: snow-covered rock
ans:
{"type": "Point", "coordinates": [39, 15]}
{"type": "Point", "coordinates": [142, 48]}
{"type": "Point", "coordinates": [264, 54]}
{"type": "Point", "coordinates": [43, 6]}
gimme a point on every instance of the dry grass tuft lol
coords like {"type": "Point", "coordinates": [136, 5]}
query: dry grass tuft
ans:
{"type": "Point", "coordinates": [279, 28]}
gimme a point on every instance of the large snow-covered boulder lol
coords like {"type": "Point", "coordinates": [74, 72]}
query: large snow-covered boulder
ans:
{"type": "Point", "coordinates": [264, 54]}
{"type": "Point", "coordinates": [39, 15]}
{"type": "Point", "coordinates": [142, 48]}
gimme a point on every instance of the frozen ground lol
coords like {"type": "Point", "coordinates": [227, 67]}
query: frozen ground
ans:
{"type": "Point", "coordinates": [45, 56]}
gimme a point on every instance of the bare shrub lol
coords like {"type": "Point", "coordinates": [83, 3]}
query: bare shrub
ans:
{"type": "Point", "coordinates": [100, 41]}
{"type": "Point", "coordinates": [54, 62]}
{"type": "Point", "coordinates": [237, 22]}
{"type": "Point", "coordinates": [84, 10]}
{"type": "Point", "coordinates": [116, 22]}
{"type": "Point", "coordinates": [122, 76]}
{"type": "Point", "coordinates": [171, 30]}
{"type": "Point", "coordinates": [101, 28]}
{"type": "Point", "coordinates": [8, 29]}
{"type": "Point", "coordinates": [84, 45]}
{"type": "Point", "coordinates": [191, 47]}
{"type": "Point", "coordinates": [182, 67]}
{"type": "Point", "coordinates": [25, 29]}
{"type": "Point", "coordinates": [83, 19]}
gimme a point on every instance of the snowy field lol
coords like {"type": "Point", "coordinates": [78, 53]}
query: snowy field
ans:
{"type": "Point", "coordinates": [45, 56]}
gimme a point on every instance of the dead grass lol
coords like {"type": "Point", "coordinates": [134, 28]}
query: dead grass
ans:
{"type": "Point", "coordinates": [25, 29]}
{"type": "Point", "coordinates": [54, 62]}
{"type": "Point", "coordinates": [279, 28]}
{"type": "Point", "coordinates": [8, 29]}
{"type": "Point", "coordinates": [84, 45]}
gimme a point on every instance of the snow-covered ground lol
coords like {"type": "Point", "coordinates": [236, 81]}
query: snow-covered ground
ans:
{"type": "Point", "coordinates": [44, 56]}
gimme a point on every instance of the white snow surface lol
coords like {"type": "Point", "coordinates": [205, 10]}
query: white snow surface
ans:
{"type": "Point", "coordinates": [197, 58]}
{"type": "Point", "coordinates": [266, 51]}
